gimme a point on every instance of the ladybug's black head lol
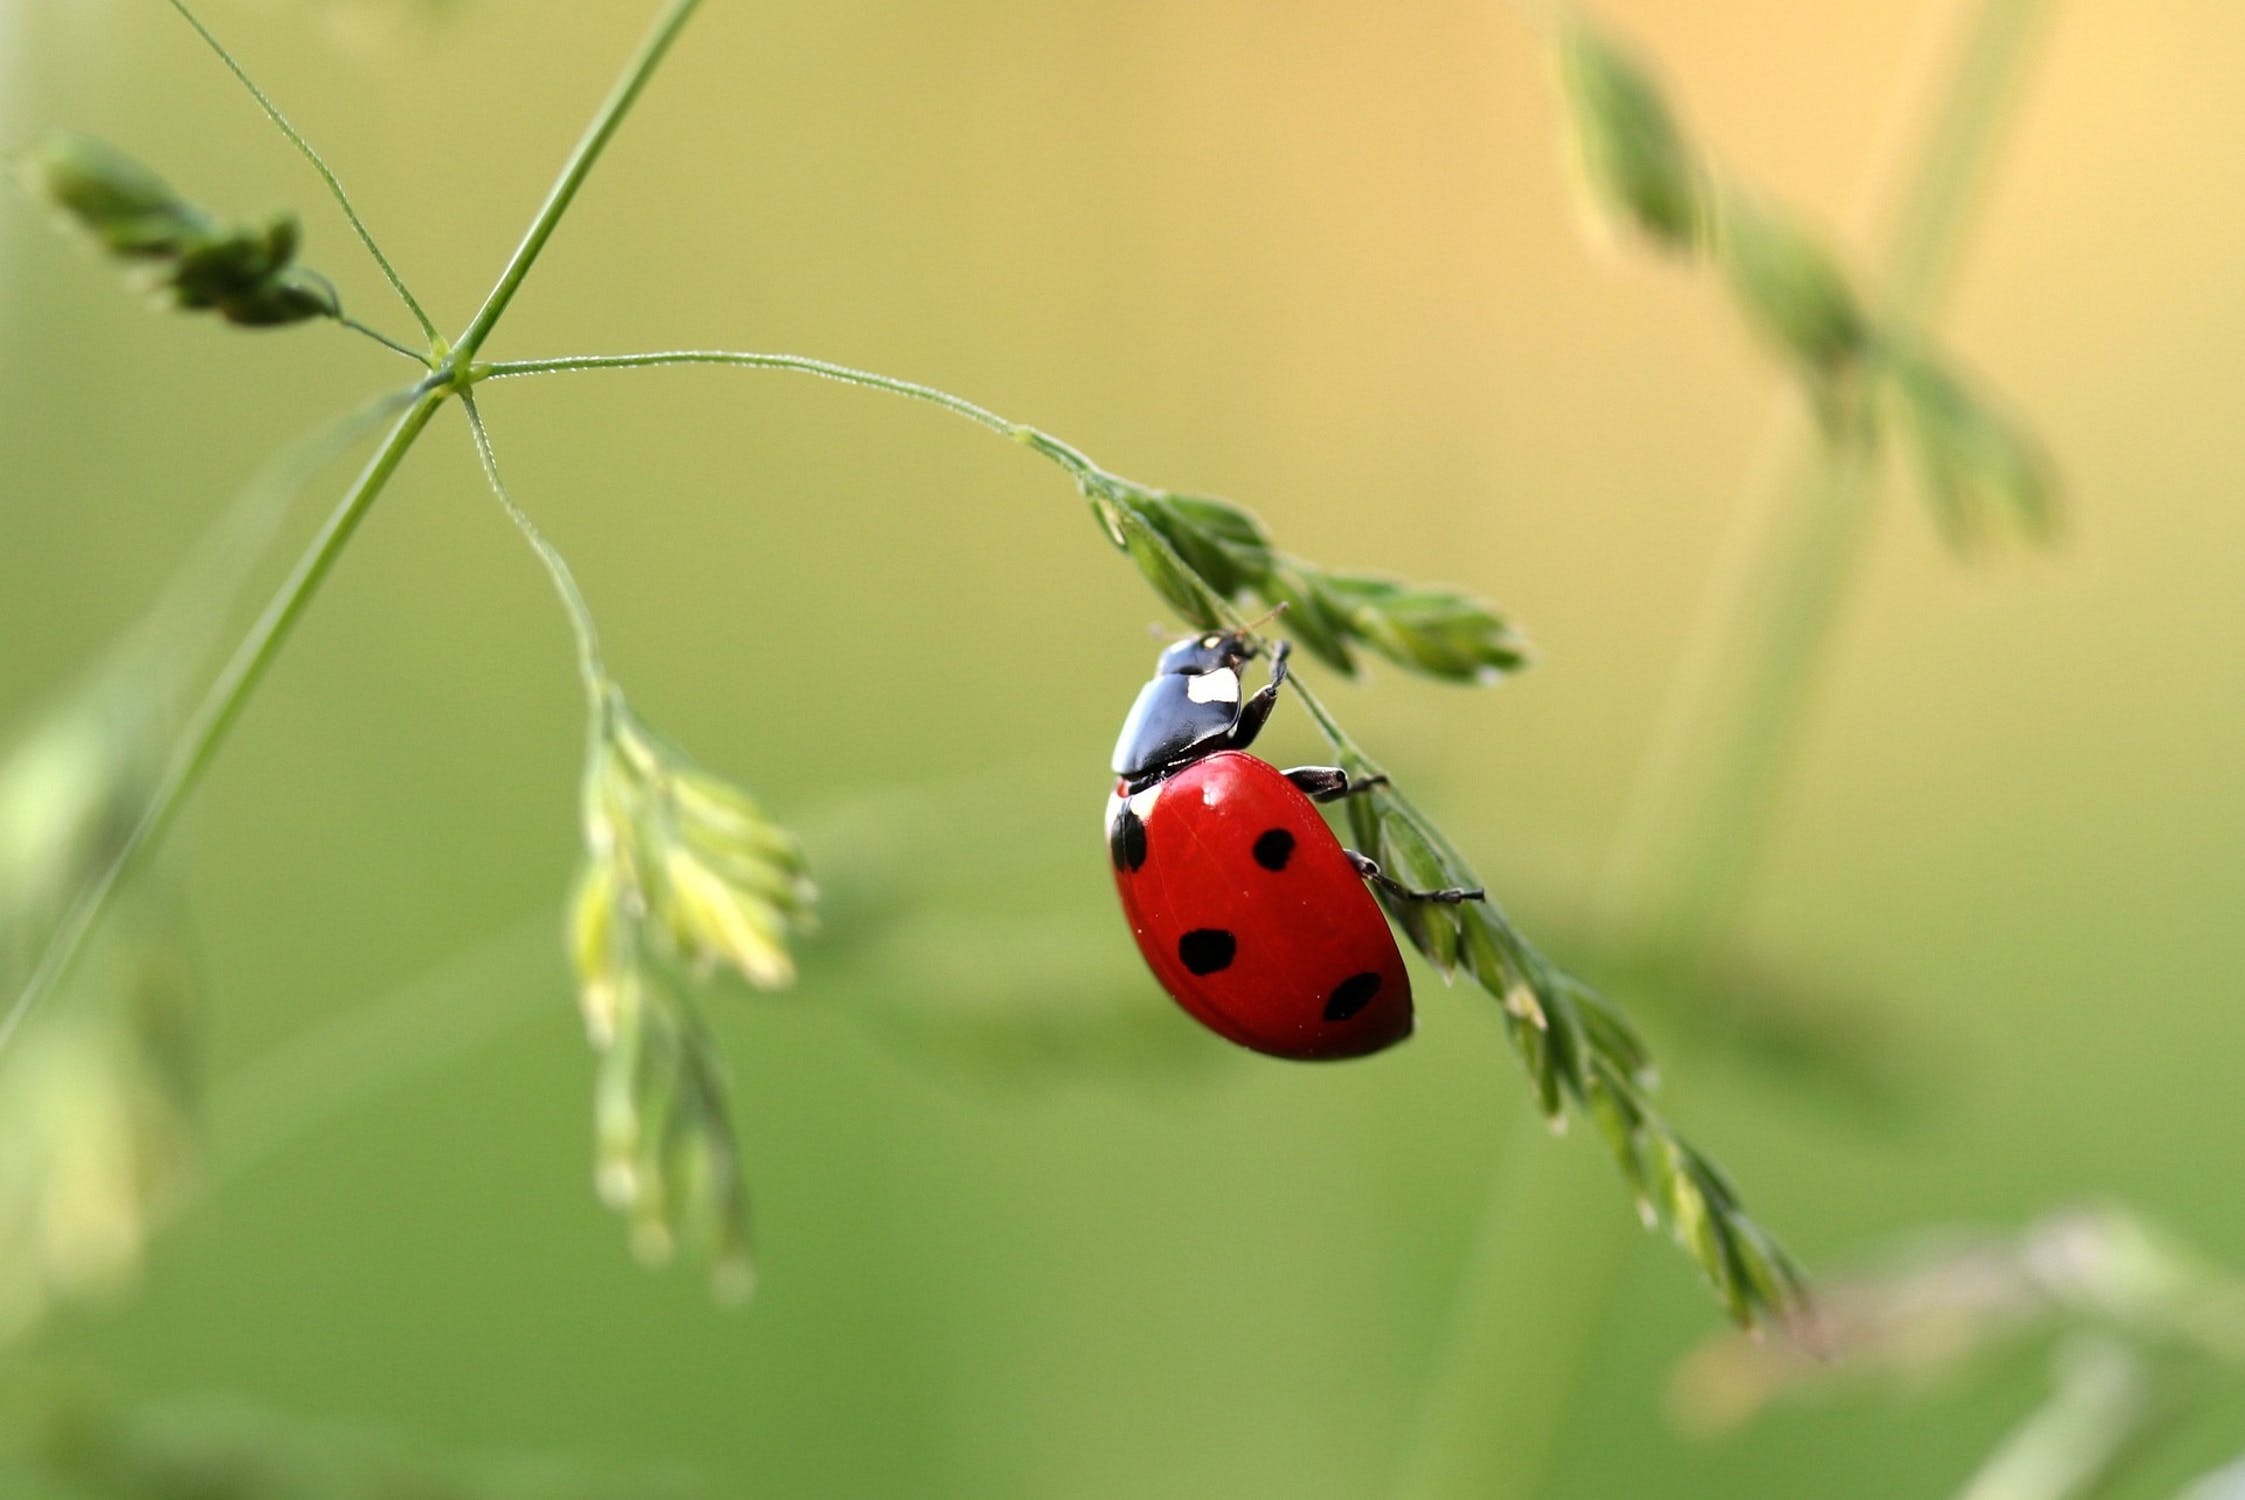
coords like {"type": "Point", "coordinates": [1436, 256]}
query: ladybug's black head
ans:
{"type": "Point", "coordinates": [1191, 708]}
{"type": "Point", "coordinates": [1200, 654]}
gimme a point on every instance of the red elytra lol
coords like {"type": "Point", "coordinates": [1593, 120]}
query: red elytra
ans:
{"type": "Point", "coordinates": [1252, 917]}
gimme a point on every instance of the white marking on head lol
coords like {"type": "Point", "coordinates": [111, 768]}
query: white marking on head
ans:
{"type": "Point", "coordinates": [1219, 686]}
{"type": "Point", "coordinates": [1143, 803]}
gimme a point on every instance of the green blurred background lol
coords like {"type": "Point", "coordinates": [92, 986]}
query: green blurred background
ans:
{"type": "Point", "coordinates": [1022, 1230]}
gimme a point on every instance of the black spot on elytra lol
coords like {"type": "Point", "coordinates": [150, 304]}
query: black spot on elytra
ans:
{"type": "Point", "coordinates": [1353, 994]}
{"type": "Point", "coordinates": [1274, 848]}
{"type": "Point", "coordinates": [1205, 950]}
{"type": "Point", "coordinates": [1126, 841]}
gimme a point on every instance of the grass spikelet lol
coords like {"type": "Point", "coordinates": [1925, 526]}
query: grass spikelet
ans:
{"type": "Point", "coordinates": [192, 260]}
{"type": "Point", "coordinates": [1981, 472]}
{"type": "Point", "coordinates": [1204, 555]}
{"type": "Point", "coordinates": [1633, 157]}
{"type": "Point", "coordinates": [683, 875]}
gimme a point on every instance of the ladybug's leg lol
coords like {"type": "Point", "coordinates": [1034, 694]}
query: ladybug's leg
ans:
{"type": "Point", "coordinates": [1330, 783]}
{"type": "Point", "coordinates": [1255, 710]}
{"type": "Point", "coordinates": [1370, 870]}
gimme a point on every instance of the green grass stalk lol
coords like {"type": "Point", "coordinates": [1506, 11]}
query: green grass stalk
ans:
{"type": "Point", "coordinates": [797, 363]}
{"type": "Point", "coordinates": [1698, 817]}
{"type": "Point", "coordinates": [573, 174]}
{"type": "Point", "coordinates": [1705, 794]}
{"type": "Point", "coordinates": [222, 706]}
{"type": "Point", "coordinates": [327, 175]}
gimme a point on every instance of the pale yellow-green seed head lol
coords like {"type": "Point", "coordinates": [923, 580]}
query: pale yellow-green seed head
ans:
{"type": "Point", "coordinates": [712, 919]}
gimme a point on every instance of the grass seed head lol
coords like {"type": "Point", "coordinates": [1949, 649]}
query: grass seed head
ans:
{"type": "Point", "coordinates": [192, 261]}
{"type": "Point", "coordinates": [684, 873]}
{"type": "Point", "coordinates": [1633, 157]}
{"type": "Point", "coordinates": [120, 205]}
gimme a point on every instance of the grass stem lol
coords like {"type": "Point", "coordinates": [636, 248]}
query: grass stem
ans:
{"type": "Point", "coordinates": [221, 706]}
{"type": "Point", "coordinates": [1706, 791]}
{"type": "Point", "coordinates": [589, 663]}
{"type": "Point", "coordinates": [379, 337]}
{"type": "Point", "coordinates": [319, 165]}
{"type": "Point", "coordinates": [744, 359]}
{"type": "Point", "coordinates": [1485, 1427]}
{"type": "Point", "coordinates": [1704, 794]}
{"type": "Point", "coordinates": [595, 140]}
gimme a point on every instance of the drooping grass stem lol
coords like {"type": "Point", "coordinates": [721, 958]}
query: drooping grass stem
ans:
{"type": "Point", "coordinates": [319, 165]}
{"type": "Point", "coordinates": [797, 363]}
{"type": "Point", "coordinates": [379, 337]}
{"type": "Point", "coordinates": [589, 663]}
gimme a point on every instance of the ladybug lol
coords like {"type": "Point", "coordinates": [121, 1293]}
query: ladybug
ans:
{"type": "Point", "coordinates": [1245, 905]}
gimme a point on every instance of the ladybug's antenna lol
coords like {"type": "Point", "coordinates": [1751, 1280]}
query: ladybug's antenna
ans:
{"type": "Point", "coordinates": [1262, 619]}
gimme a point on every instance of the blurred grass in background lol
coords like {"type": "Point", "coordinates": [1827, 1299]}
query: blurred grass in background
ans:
{"type": "Point", "coordinates": [1022, 1230]}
